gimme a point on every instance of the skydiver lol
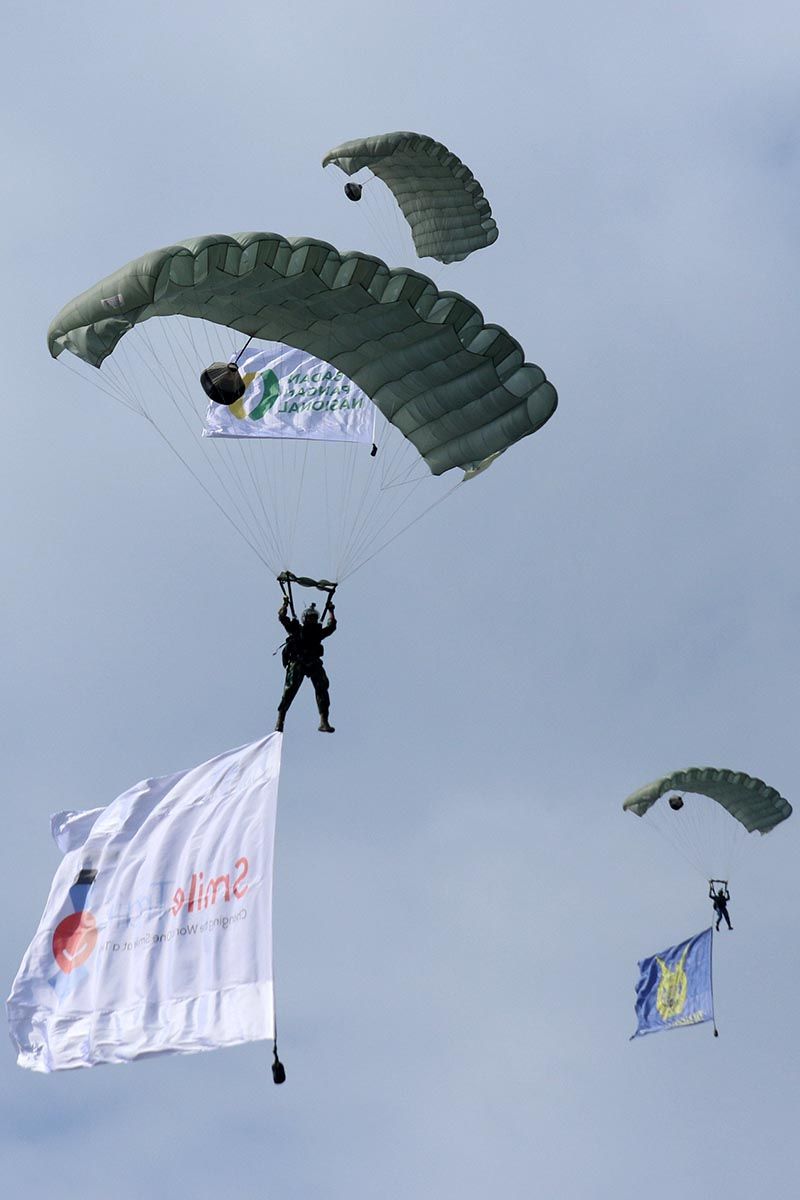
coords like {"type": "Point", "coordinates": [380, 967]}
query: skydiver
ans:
{"type": "Point", "coordinates": [302, 656]}
{"type": "Point", "coordinates": [720, 900]}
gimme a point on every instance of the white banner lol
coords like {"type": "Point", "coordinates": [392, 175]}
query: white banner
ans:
{"type": "Point", "coordinates": [157, 934]}
{"type": "Point", "coordinates": [293, 395]}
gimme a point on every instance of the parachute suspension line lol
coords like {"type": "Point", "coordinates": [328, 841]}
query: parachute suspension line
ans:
{"type": "Point", "coordinates": [367, 538]}
{"type": "Point", "coordinates": [207, 327]}
{"type": "Point", "coordinates": [293, 528]}
{"type": "Point", "coordinates": [328, 525]}
{"type": "Point", "coordinates": [364, 504]}
{"type": "Point", "coordinates": [268, 530]}
{"type": "Point", "coordinates": [401, 227]}
{"type": "Point", "coordinates": [270, 477]}
{"type": "Point", "coordinates": [702, 833]}
{"type": "Point", "coordinates": [252, 456]}
{"type": "Point", "coordinates": [208, 492]}
{"type": "Point", "coordinates": [376, 220]}
{"type": "Point", "coordinates": [122, 387]}
{"type": "Point", "coordinates": [283, 492]}
{"type": "Point", "coordinates": [349, 471]}
{"type": "Point", "coordinates": [389, 219]}
{"type": "Point", "coordinates": [371, 198]}
{"type": "Point", "coordinates": [113, 394]}
{"type": "Point", "coordinates": [226, 487]}
{"type": "Point", "coordinates": [382, 213]}
{"type": "Point", "coordinates": [684, 832]}
{"type": "Point", "coordinates": [360, 504]}
{"type": "Point", "coordinates": [348, 455]}
{"type": "Point", "coordinates": [124, 384]}
{"type": "Point", "coordinates": [244, 502]}
{"type": "Point", "coordinates": [363, 514]}
{"type": "Point", "coordinates": [360, 514]}
{"type": "Point", "coordinates": [207, 334]}
{"type": "Point", "coordinates": [401, 459]}
{"type": "Point", "coordinates": [658, 828]}
{"type": "Point", "coordinates": [435, 504]}
{"type": "Point", "coordinates": [181, 387]}
{"type": "Point", "coordinates": [712, 830]}
{"type": "Point", "coordinates": [397, 468]}
{"type": "Point", "coordinates": [333, 532]}
{"type": "Point", "coordinates": [225, 453]}
{"type": "Point", "coordinates": [135, 402]}
{"type": "Point", "coordinates": [409, 479]}
{"type": "Point", "coordinates": [188, 326]}
{"type": "Point", "coordinates": [252, 459]}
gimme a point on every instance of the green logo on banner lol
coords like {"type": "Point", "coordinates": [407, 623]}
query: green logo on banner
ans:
{"type": "Point", "coordinates": [269, 394]}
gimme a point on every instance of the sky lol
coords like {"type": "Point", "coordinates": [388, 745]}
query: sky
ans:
{"type": "Point", "coordinates": [460, 902]}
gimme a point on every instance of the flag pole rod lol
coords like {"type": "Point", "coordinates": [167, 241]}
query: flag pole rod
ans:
{"type": "Point", "coordinates": [278, 1069]}
{"type": "Point", "coordinates": [711, 978]}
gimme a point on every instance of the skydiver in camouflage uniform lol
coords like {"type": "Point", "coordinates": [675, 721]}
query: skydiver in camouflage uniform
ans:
{"type": "Point", "coordinates": [720, 900]}
{"type": "Point", "coordinates": [302, 656]}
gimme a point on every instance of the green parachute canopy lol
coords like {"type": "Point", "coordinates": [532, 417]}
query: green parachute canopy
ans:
{"type": "Point", "coordinates": [751, 802]}
{"type": "Point", "coordinates": [457, 388]}
{"type": "Point", "coordinates": [448, 390]}
{"type": "Point", "coordinates": [439, 196]}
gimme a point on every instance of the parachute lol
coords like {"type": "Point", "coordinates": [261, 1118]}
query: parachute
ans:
{"type": "Point", "coordinates": [448, 390]}
{"type": "Point", "coordinates": [750, 801]}
{"type": "Point", "coordinates": [710, 824]}
{"type": "Point", "coordinates": [439, 196]}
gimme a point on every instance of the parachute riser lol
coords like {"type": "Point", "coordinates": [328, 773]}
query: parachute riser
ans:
{"type": "Point", "coordinates": [287, 578]}
{"type": "Point", "coordinates": [286, 589]}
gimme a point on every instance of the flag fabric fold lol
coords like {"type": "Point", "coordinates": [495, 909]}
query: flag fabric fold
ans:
{"type": "Point", "coordinates": [157, 933]}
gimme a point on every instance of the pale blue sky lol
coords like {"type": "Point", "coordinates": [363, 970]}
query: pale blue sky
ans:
{"type": "Point", "coordinates": [460, 901]}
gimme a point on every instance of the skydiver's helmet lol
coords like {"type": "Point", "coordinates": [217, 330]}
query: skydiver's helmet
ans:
{"type": "Point", "coordinates": [311, 615]}
{"type": "Point", "coordinates": [353, 191]}
{"type": "Point", "coordinates": [676, 803]}
{"type": "Point", "coordinates": [222, 383]}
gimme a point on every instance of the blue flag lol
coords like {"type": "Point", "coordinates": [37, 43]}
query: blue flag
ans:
{"type": "Point", "coordinates": [674, 987]}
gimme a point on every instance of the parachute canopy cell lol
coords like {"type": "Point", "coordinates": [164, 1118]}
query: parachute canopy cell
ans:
{"type": "Point", "coordinates": [439, 196]}
{"type": "Point", "coordinates": [755, 805]}
{"type": "Point", "coordinates": [458, 389]}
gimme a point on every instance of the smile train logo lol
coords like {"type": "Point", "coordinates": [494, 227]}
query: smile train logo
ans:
{"type": "Point", "coordinates": [75, 936]}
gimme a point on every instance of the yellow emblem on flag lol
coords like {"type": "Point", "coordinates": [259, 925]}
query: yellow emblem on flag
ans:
{"type": "Point", "coordinates": [672, 988]}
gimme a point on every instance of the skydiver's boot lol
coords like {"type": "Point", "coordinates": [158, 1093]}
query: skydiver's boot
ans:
{"type": "Point", "coordinates": [325, 725]}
